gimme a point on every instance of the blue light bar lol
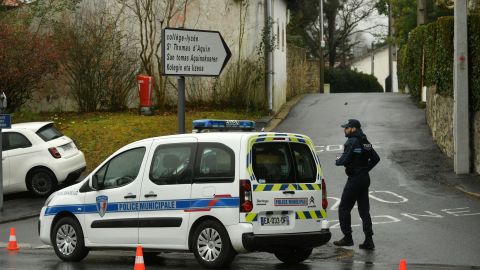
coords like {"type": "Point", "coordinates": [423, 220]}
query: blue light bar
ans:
{"type": "Point", "coordinates": [223, 125]}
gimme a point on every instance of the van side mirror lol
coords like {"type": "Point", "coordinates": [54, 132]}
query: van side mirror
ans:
{"type": "Point", "coordinates": [94, 184]}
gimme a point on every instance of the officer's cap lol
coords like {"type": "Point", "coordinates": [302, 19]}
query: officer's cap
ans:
{"type": "Point", "coordinates": [352, 123]}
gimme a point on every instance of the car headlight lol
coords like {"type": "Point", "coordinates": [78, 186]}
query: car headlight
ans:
{"type": "Point", "coordinates": [49, 199]}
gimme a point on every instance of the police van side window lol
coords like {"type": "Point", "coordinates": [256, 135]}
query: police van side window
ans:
{"type": "Point", "coordinates": [215, 163]}
{"type": "Point", "coordinates": [272, 163]}
{"type": "Point", "coordinates": [304, 163]}
{"type": "Point", "coordinates": [172, 164]}
{"type": "Point", "coordinates": [121, 170]}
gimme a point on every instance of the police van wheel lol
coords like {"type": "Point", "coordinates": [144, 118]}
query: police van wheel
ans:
{"type": "Point", "coordinates": [68, 241]}
{"type": "Point", "coordinates": [293, 255]}
{"type": "Point", "coordinates": [211, 245]}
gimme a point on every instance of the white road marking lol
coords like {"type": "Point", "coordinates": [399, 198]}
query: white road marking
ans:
{"type": "Point", "coordinates": [455, 212]}
{"type": "Point", "coordinates": [402, 199]}
{"type": "Point", "coordinates": [431, 214]}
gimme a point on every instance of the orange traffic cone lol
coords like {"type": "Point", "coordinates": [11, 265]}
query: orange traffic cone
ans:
{"type": "Point", "coordinates": [139, 263]}
{"type": "Point", "coordinates": [12, 241]}
{"type": "Point", "coordinates": [403, 265]}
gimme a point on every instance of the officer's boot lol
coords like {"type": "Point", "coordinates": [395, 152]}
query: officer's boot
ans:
{"type": "Point", "coordinates": [368, 243]}
{"type": "Point", "coordinates": [346, 241]}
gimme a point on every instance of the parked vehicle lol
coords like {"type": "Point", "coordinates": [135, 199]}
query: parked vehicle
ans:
{"type": "Point", "coordinates": [37, 157]}
{"type": "Point", "coordinates": [215, 194]}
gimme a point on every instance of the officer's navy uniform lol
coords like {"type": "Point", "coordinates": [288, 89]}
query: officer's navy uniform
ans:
{"type": "Point", "coordinates": [359, 158]}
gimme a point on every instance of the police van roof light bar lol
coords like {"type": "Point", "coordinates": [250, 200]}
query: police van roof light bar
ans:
{"type": "Point", "coordinates": [223, 125]}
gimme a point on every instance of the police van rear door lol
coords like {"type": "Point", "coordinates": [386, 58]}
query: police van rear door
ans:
{"type": "Point", "coordinates": [286, 184]}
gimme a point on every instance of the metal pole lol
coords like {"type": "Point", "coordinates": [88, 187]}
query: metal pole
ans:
{"type": "Point", "coordinates": [461, 128]}
{"type": "Point", "coordinates": [268, 21]}
{"type": "Point", "coordinates": [181, 105]}
{"type": "Point", "coordinates": [389, 84]}
{"type": "Point", "coordinates": [373, 61]}
{"type": "Point", "coordinates": [322, 61]}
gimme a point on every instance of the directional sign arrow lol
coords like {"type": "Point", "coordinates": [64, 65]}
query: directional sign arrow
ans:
{"type": "Point", "coordinates": [188, 52]}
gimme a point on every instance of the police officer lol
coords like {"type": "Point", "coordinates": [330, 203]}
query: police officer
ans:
{"type": "Point", "coordinates": [359, 158]}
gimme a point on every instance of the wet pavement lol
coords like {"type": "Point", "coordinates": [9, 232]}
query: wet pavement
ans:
{"type": "Point", "coordinates": [419, 213]}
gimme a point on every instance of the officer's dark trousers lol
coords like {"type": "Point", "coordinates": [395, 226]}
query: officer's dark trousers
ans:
{"type": "Point", "coordinates": [356, 190]}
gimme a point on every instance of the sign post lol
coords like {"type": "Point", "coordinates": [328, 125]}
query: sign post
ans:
{"type": "Point", "coordinates": [188, 52]}
{"type": "Point", "coordinates": [5, 122]}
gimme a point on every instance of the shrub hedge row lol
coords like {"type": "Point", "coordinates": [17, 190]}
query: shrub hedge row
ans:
{"type": "Point", "coordinates": [427, 59]}
{"type": "Point", "coordinates": [350, 81]}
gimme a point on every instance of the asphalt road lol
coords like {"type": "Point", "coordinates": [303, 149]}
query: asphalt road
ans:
{"type": "Point", "coordinates": [416, 215]}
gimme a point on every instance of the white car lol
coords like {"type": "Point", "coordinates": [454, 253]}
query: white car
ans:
{"type": "Point", "coordinates": [37, 157]}
{"type": "Point", "coordinates": [215, 194]}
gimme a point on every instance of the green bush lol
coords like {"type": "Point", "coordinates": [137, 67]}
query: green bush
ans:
{"type": "Point", "coordinates": [349, 81]}
{"type": "Point", "coordinates": [401, 67]}
{"type": "Point", "coordinates": [431, 46]}
{"type": "Point", "coordinates": [444, 68]}
{"type": "Point", "coordinates": [414, 60]}
{"type": "Point", "coordinates": [474, 61]}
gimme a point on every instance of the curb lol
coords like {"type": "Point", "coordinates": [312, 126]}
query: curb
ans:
{"type": "Point", "coordinates": [464, 190]}
{"type": "Point", "coordinates": [27, 246]}
{"type": "Point", "coordinates": [282, 113]}
{"type": "Point", "coordinates": [17, 218]}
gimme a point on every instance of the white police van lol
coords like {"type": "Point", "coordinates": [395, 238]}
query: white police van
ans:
{"type": "Point", "coordinates": [215, 194]}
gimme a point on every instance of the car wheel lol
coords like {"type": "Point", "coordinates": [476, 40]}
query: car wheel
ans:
{"type": "Point", "coordinates": [293, 255]}
{"type": "Point", "coordinates": [41, 182]}
{"type": "Point", "coordinates": [211, 245]}
{"type": "Point", "coordinates": [68, 241]}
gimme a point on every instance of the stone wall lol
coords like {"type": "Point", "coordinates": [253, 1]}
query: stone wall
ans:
{"type": "Point", "coordinates": [439, 112]}
{"type": "Point", "coordinates": [476, 142]}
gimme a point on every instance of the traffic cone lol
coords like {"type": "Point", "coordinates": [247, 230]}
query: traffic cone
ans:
{"type": "Point", "coordinates": [403, 265]}
{"type": "Point", "coordinates": [139, 262]}
{"type": "Point", "coordinates": [12, 241]}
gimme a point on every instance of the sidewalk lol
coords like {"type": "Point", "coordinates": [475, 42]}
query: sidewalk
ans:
{"type": "Point", "coordinates": [23, 208]}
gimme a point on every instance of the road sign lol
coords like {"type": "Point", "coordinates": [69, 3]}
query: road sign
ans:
{"type": "Point", "coordinates": [5, 121]}
{"type": "Point", "coordinates": [188, 52]}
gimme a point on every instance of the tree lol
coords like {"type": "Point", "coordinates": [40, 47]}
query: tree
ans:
{"type": "Point", "coordinates": [97, 60]}
{"type": "Point", "coordinates": [25, 61]}
{"type": "Point", "coordinates": [404, 13]}
{"type": "Point", "coordinates": [342, 18]}
{"type": "Point", "coordinates": [151, 16]}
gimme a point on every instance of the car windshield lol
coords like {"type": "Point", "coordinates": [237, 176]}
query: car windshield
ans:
{"type": "Point", "coordinates": [49, 132]}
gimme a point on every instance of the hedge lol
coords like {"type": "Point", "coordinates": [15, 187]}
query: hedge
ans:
{"type": "Point", "coordinates": [349, 81]}
{"type": "Point", "coordinates": [430, 49]}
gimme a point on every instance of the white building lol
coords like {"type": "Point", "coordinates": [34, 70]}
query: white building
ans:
{"type": "Point", "coordinates": [379, 61]}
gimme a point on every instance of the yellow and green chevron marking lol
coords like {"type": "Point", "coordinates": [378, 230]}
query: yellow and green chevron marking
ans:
{"type": "Point", "coordinates": [310, 214]}
{"type": "Point", "coordinates": [304, 215]}
{"type": "Point", "coordinates": [280, 187]}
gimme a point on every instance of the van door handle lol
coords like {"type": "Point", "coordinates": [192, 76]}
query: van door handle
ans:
{"type": "Point", "coordinates": [130, 196]}
{"type": "Point", "coordinates": [289, 192]}
{"type": "Point", "coordinates": [150, 195]}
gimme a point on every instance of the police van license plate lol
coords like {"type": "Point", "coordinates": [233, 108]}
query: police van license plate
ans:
{"type": "Point", "coordinates": [275, 221]}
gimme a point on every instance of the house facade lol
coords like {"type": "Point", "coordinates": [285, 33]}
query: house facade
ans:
{"type": "Point", "coordinates": [240, 22]}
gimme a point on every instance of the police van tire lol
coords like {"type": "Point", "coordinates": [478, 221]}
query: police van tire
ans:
{"type": "Point", "coordinates": [68, 241]}
{"type": "Point", "coordinates": [293, 255]}
{"type": "Point", "coordinates": [211, 245]}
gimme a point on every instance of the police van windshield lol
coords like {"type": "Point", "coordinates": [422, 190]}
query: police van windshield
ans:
{"type": "Point", "coordinates": [281, 162]}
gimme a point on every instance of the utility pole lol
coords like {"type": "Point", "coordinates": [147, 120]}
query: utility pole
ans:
{"type": "Point", "coordinates": [322, 44]}
{"type": "Point", "coordinates": [373, 61]}
{"type": "Point", "coordinates": [461, 129]}
{"type": "Point", "coordinates": [421, 12]}
{"type": "Point", "coordinates": [388, 83]}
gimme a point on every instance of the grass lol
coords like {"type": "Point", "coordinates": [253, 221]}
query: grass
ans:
{"type": "Point", "coordinates": [98, 135]}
